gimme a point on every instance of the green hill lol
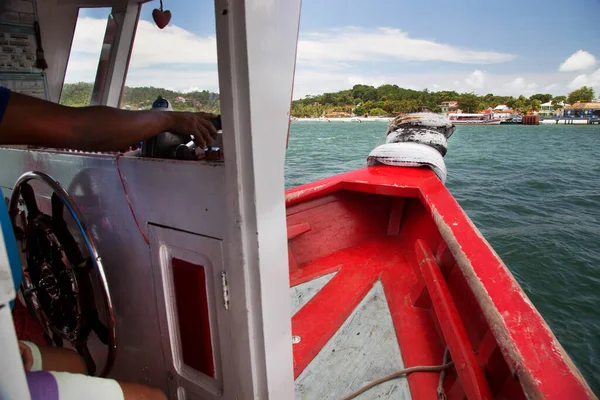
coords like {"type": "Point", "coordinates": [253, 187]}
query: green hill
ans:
{"type": "Point", "coordinates": [360, 100]}
{"type": "Point", "coordinates": [393, 100]}
{"type": "Point", "coordinates": [141, 98]}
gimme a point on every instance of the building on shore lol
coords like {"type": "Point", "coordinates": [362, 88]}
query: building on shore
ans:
{"type": "Point", "coordinates": [449, 106]}
{"type": "Point", "coordinates": [583, 110]}
{"type": "Point", "coordinates": [501, 112]}
{"type": "Point", "coordinates": [549, 110]}
{"type": "Point", "coordinates": [504, 115]}
{"type": "Point", "coordinates": [338, 114]}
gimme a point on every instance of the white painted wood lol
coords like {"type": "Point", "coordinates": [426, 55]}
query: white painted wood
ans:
{"type": "Point", "coordinates": [301, 294]}
{"type": "Point", "coordinates": [126, 16]}
{"type": "Point", "coordinates": [100, 3]}
{"type": "Point", "coordinates": [364, 349]}
{"type": "Point", "coordinates": [165, 245]}
{"type": "Point", "coordinates": [57, 27]}
{"type": "Point", "coordinates": [256, 45]}
{"type": "Point", "coordinates": [13, 384]}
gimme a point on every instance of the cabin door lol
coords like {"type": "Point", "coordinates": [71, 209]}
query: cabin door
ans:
{"type": "Point", "coordinates": [193, 313]}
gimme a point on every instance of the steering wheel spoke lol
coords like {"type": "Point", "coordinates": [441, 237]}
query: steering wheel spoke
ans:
{"type": "Point", "coordinates": [29, 200]}
{"type": "Point", "coordinates": [84, 352]}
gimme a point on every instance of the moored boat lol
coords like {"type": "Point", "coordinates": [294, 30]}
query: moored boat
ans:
{"type": "Point", "coordinates": [512, 121]}
{"type": "Point", "coordinates": [473, 119]}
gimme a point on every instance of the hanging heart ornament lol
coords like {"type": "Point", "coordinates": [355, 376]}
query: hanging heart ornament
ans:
{"type": "Point", "coordinates": [161, 17]}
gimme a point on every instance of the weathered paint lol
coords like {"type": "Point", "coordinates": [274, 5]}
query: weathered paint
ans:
{"type": "Point", "coordinates": [366, 346]}
{"type": "Point", "coordinates": [467, 367]}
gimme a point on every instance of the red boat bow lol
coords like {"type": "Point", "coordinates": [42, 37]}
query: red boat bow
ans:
{"type": "Point", "coordinates": [451, 290]}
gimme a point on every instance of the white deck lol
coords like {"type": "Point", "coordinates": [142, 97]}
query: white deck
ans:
{"type": "Point", "coordinates": [363, 349]}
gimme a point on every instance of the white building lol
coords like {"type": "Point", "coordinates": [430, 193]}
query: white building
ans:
{"type": "Point", "coordinates": [548, 109]}
{"type": "Point", "coordinates": [449, 106]}
{"type": "Point", "coordinates": [503, 114]}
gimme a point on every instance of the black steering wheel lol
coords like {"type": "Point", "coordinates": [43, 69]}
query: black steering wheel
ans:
{"type": "Point", "coordinates": [57, 283]}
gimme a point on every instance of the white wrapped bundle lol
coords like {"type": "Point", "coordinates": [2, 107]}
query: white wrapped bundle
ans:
{"type": "Point", "coordinates": [409, 154]}
{"type": "Point", "coordinates": [415, 140]}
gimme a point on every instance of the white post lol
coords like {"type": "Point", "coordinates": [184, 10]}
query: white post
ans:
{"type": "Point", "coordinates": [57, 26]}
{"type": "Point", "coordinates": [256, 52]}
{"type": "Point", "coordinates": [119, 54]}
{"type": "Point", "coordinates": [13, 384]}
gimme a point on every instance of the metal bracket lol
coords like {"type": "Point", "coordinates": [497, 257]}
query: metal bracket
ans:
{"type": "Point", "coordinates": [225, 288]}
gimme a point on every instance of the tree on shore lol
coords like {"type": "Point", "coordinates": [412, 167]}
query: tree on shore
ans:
{"type": "Point", "coordinates": [376, 112]}
{"type": "Point", "coordinates": [558, 102]}
{"type": "Point", "coordinates": [542, 98]}
{"type": "Point", "coordinates": [584, 93]}
{"type": "Point", "coordinates": [468, 102]}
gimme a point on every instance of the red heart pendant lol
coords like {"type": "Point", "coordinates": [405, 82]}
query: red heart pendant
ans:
{"type": "Point", "coordinates": [161, 18]}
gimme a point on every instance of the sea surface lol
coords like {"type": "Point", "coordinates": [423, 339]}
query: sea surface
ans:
{"type": "Point", "coordinates": [534, 193]}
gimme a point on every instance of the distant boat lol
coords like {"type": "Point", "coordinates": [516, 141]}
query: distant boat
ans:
{"type": "Point", "coordinates": [473, 119]}
{"type": "Point", "coordinates": [512, 121]}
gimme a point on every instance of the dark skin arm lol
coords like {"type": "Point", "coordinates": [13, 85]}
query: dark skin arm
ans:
{"type": "Point", "coordinates": [31, 121]}
{"type": "Point", "coordinates": [65, 360]}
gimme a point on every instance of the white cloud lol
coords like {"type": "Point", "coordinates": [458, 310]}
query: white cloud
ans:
{"type": "Point", "coordinates": [520, 86]}
{"type": "Point", "coordinates": [152, 46]}
{"type": "Point", "coordinates": [580, 80]}
{"type": "Point", "coordinates": [592, 80]}
{"type": "Point", "coordinates": [579, 61]}
{"type": "Point", "coordinates": [476, 79]}
{"type": "Point", "coordinates": [172, 57]}
{"type": "Point", "coordinates": [327, 61]}
{"type": "Point", "coordinates": [310, 81]}
{"type": "Point", "coordinates": [358, 44]}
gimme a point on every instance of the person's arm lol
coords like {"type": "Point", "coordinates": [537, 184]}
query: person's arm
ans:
{"type": "Point", "coordinates": [50, 358]}
{"type": "Point", "coordinates": [32, 121]}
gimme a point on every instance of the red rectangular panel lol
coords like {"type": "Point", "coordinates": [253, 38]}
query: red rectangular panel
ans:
{"type": "Point", "coordinates": [191, 298]}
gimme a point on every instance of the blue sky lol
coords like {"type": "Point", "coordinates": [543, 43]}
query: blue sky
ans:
{"type": "Point", "coordinates": [508, 47]}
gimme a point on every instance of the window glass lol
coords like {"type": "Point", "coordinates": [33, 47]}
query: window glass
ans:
{"type": "Point", "coordinates": [178, 62]}
{"type": "Point", "coordinates": [84, 56]}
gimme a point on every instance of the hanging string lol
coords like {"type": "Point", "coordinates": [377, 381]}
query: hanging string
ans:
{"type": "Point", "coordinates": [161, 5]}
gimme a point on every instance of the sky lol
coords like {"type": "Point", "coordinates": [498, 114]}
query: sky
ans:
{"type": "Point", "coordinates": [505, 48]}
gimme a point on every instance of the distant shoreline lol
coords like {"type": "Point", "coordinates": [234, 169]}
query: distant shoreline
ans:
{"type": "Point", "coordinates": [353, 119]}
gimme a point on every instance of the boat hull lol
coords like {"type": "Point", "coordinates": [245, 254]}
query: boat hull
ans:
{"type": "Point", "coordinates": [397, 235]}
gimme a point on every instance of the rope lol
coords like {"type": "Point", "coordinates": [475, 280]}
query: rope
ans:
{"type": "Point", "coordinates": [440, 389]}
{"type": "Point", "coordinates": [161, 6]}
{"type": "Point", "coordinates": [431, 368]}
{"type": "Point", "coordinates": [381, 139]}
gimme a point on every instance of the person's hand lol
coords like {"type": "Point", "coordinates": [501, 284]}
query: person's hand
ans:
{"type": "Point", "coordinates": [196, 124]}
{"type": "Point", "coordinates": [26, 356]}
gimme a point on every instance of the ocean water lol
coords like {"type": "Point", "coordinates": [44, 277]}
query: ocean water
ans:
{"type": "Point", "coordinates": [534, 193]}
